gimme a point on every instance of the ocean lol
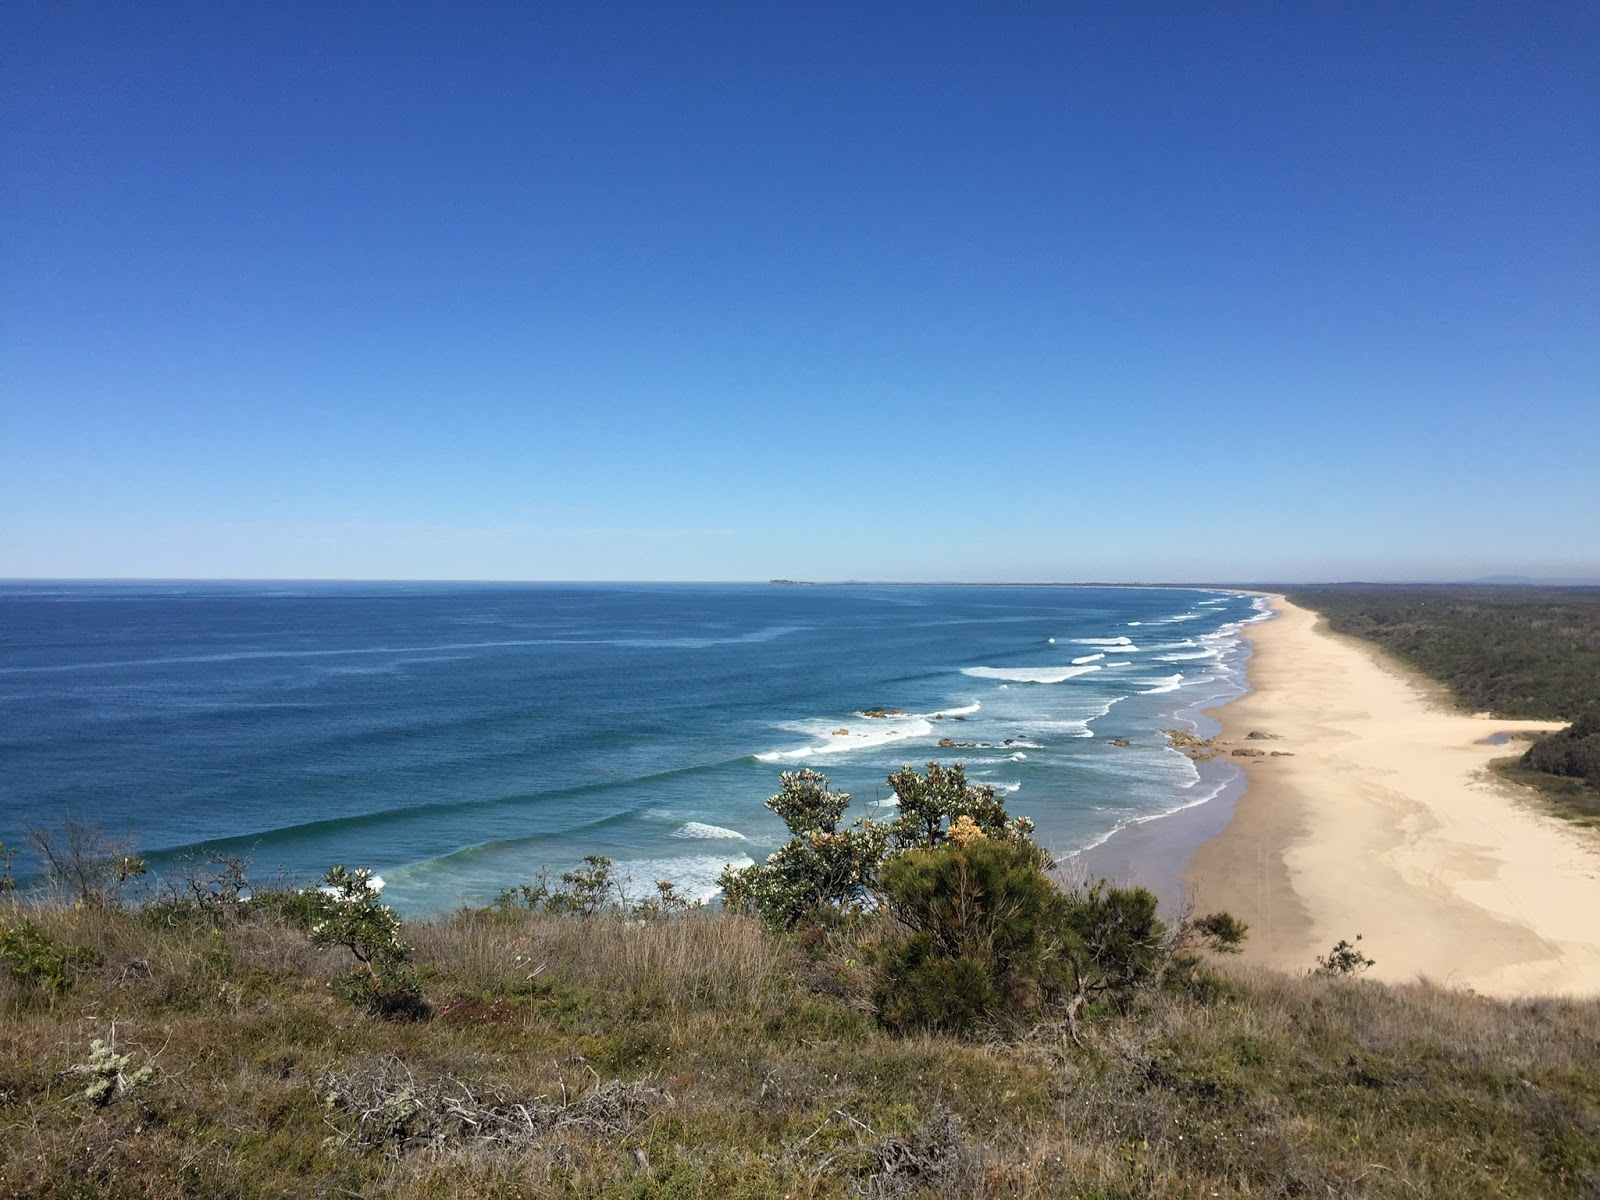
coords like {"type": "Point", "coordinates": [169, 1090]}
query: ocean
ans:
{"type": "Point", "coordinates": [460, 738]}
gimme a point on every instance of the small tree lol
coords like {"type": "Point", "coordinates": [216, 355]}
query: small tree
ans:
{"type": "Point", "coordinates": [930, 803]}
{"type": "Point", "coordinates": [980, 917]}
{"type": "Point", "coordinates": [822, 867]}
{"type": "Point", "coordinates": [350, 915]}
{"type": "Point", "coordinates": [82, 860]}
{"type": "Point", "coordinates": [1344, 959]}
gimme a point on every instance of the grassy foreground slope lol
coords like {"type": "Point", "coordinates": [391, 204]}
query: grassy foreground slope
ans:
{"type": "Point", "coordinates": [1514, 651]}
{"type": "Point", "coordinates": [706, 1055]}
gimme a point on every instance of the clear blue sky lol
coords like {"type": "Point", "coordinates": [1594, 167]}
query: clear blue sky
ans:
{"type": "Point", "coordinates": [909, 291]}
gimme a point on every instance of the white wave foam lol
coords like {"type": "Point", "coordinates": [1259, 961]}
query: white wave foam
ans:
{"type": "Point", "coordinates": [1204, 797]}
{"type": "Point", "coordinates": [1116, 641]}
{"type": "Point", "coordinates": [1120, 664]}
{"type": "Point", "coordinates": [1019, 756]}
{"type": "Point", "coordinates": [1060, 727]}
{"type": "Point", "coordinates": [1088, 658]}
{"type": "Point", "coordinates": [1027, 674]}
{"type": "Point", "coordinates": [699, 829]}
{"type": "Point", "coordinates": [375, 885]}
{"type": "Point", "coordinates": [1170, 684]}
{"type": "Point", "coordinates": [1198, 654]}
{"type": "Point", "coordinates": [964, 711]}
{"type": "Point", "coordinates": [864, 735]}
{"type": "Point", "coordinates": [694, 874]}
{"type": "Point", "coordinates": [1131, 624]}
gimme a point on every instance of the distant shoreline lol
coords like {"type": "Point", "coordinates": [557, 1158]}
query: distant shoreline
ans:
{"type": "Point", "coordinates": [1378, 817]}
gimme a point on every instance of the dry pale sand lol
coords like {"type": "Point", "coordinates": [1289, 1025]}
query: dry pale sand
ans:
{"type": "Point", "coordinates": [1379, 817]}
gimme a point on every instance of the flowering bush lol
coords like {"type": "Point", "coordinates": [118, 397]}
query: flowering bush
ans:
{"type": "Point", "coordinates": [931, 805]}
{"type": "Point", "coordinates": [111, 1075]}
{"type": "Point", "coordinates": [349, 914]}
{"type": "Point", "coordinates": [823, 867]}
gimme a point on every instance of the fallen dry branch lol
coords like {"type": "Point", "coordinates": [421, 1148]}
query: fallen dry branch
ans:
{"type": "Point", "coordinates": [382, 1106]}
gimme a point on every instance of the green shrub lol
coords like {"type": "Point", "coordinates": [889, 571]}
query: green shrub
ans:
{"type": "Point", "coordinates": [931, 803]}
{"type": "Point", "coordinates": [821, 867]}
{"type": "Point", "coordinates": [1574, 752]}
{"type": "Point", "coordinates": [1113, 941]}
{"type": "Point", "coordinates": [981, 920]}
{"type": "Point", "coordinates": [31, 956]}
{"type": "Point", "coordinates": [987, 936]}
{"type": "Point", "coordinates": [1344, 959]}
{"type": "Point", "coordinates": [350, 915]}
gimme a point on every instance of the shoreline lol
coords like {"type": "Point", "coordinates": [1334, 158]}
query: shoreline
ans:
{"type": "Point", "coordinates": [1377, 816]}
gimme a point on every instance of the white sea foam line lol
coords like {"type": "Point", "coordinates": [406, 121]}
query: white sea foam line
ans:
{"type": "Point", "coordinates": [1198, 654]}
{"type": "Point", "coordinates": [1170, 684]}
{"type": "Point", "coordinates": [700, 829]}
{"type": "Point", "coordinates": [1115, 641]}
{"type": "Point", "coordinates": [1143, 818]}
{"type": "Point", "coordinates": [964, 711]}
{"type": "Point", "coordinates": [854, 738]}
{"type": "Point", "coordinates": [1119, 664]}
{"type": "Point", "coordinates": [1028, 674]}
{"type": "Point", "coordinates": [1076, 729]}
{"type": "Point", "coordinates": [1088, 658]}
{"type": "Point", "coordinates": [695, 874]}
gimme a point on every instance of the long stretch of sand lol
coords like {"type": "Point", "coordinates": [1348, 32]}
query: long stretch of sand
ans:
{"type": "Point", "coordinates": [1379, 817]}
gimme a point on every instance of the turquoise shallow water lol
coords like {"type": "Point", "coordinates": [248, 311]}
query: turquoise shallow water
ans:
{"type": "Point", "coordinates": [460, 737]}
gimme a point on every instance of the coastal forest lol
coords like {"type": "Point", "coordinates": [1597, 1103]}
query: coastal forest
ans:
{"type": "Point", "coordinates": [1529, 652]}
{"type": "Point", "coordinates": [902, 1008]}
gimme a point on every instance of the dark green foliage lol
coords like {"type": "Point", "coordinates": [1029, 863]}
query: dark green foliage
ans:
{"type": "Point", "coordinates": [297, 908]}
{"type": "Point", "coordinates": [982, 925]}
{"type": "Point", "coordinates": [1221, 932]}
{"type": "Point", "coordinates": [590, 890]}
{"type": "Point", "coordinates": [1114, 942]}
{"type": "Point", "coordinates": [822, 867]}
{"type": "Point", "coordinates": [31, 956]}
{"type": "Point", "coordinates": [1344, 959]}
{"type": "Point", "coordinates": [350, 915]}
{"type": "Point", "coordinates": [1517, 652]}
{"type": "Point", "coordinates": [1574, 752]}
{"type": "Point", "coordinates": [931, 803]}
{"type": "Point", "coordinates": [988, 937]}
{"type": "Point", "coordinates": [921, 990]}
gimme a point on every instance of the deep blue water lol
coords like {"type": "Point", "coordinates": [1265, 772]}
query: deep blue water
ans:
{"type": "Point", "coordinates": [459, 737]}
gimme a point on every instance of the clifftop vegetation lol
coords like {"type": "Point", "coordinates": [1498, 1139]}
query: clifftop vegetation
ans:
{"type": "Point", "coordinates": [938, 1019]}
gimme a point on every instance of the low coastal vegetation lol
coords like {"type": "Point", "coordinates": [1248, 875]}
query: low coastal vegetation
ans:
{"type": "Point", "coordinates": [914, 1007]}
{"type": "Point", "coordinates": [1518, 652]}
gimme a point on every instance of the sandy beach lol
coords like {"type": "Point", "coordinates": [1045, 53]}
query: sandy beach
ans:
{"type": "Point", "coordinates": [1370, 810]}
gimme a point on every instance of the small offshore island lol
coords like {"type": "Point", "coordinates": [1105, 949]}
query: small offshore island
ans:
{"type": "Point", "coordinates": [1392, 992]}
